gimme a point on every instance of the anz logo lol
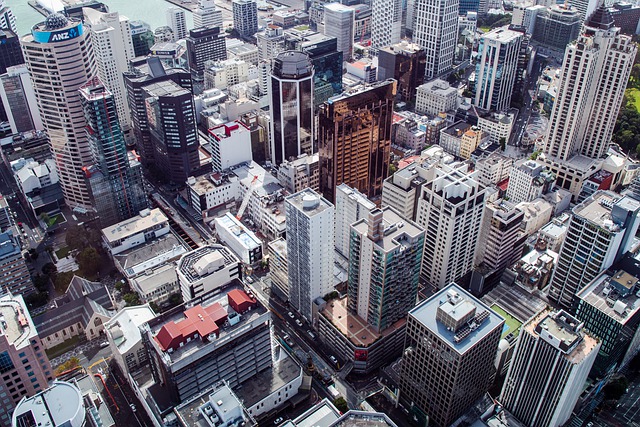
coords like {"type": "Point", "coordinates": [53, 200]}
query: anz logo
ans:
{"type": "Point", "coordinates": [65, 35]}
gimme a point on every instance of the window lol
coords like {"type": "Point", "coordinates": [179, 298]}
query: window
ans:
{"type": "Point", "coordinates": [5, 362]}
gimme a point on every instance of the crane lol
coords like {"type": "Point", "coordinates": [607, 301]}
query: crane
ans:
{"type": "Point", "coordinates": [247, 196]}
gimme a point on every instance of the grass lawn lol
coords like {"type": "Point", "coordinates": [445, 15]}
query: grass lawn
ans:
{"type": "Point", "coordinates": [62, 252]}
{"type": "Point", "coordinates": [62, 348]}
{"type": "Point", "coordinates": [485, 29]}
{"type": "Point", "coordinates": [53, 220]}
{"type": "Point", "coordinates": [512, 324]}
{"type": "Point", "coordinates": [635, 93]}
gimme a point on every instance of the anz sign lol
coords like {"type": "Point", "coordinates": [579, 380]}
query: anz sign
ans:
{"type": "Point", "coordinates": [57, 36]}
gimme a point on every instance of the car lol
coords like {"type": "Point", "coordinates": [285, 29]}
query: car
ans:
{"type": "Point", "coordinates": [311, 334]}
{"type": "Point", "coordinates": [249, 279]}
{"type": "Point", "coordinates": [20, 224]}
{"type": "Point", "coordinates": [290, 314]}
{"type": "Point", "coordinates": [298, 322]}
{"type": "Point", "coordinates": [333, 359]}
{"type": "Point", "coordinates": [132, 406]}
{"type": "Point", "coordinates": [104, 344]}
{"type": "Point", "coordinates": [278, 420]}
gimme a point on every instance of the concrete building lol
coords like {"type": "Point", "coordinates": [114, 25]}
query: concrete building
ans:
{"type": "Point", "coordinates": [445, 209]}
{"type": "Point", "coordinates": [206, 269]}
{"type": "Point", "coordinates": [524, 15]}
{"type": "Point", "coordinates": [113, 49]}
{"type": "Point", "coordinates": [216, 407]}
{"type": "Point", "coordinates": [159, 280]}
{"type": "Point", "coordinates": [204, 45]}
{"type": "Point", "coordinates": [242, 241]}
{"type": "Point", "coordinates": [493, 169]}
{"type": "Point", "coordinates": [626, 16]}
{"type": "Point", "coordinates": [278, 266]}
{"type": "Point", "coordinates": [405, 62]}
{"type": "Point", "coordinates": [385, 253]}
{"type": "Point", "coordinates": [338, 23]}
{"type": "Point", "coordinates": [354, 139]}
{"type": "Point", "coordinates": [71, 58]}
{"type": "Point", "coordinates": [471, 140]}
{"type": "Point", "coordinates": [16, 90]}
{"type": "Point", "coordinates": [224, 74]}
{"type": "Point", "coordinates": [351, 206]}
{"type": "Point", "coordinates": [38, 183]}
{"type": "Point", "coordinates": [502, 242]}
{"type": "Point", "coordinates": [528, 181]}
{"type": "Point", "coordinates": [245, 17]}
{"type": "Point", "coordinates": [496, 67]}
{"type": "Point", "coordinates": [450, 348]}
{"type": "Point", "coordinates": [290, 101]}
{"type": "Point", "coordinates": [135, 231]}
{"type": "Point", "coordinates": [141, 37]}
{"type": "Point", "coordinates": [125, 339]}
{"type": "Point", "coordinates": [556, 26]}
{"type": "Point", "coordinates": [207, 15]}
{"type": "Point", "coordinates": [462, 134]}
{"type": "Point", "coordinates": [585, 110]}
{"type": "Point", "coordinates": [177, 21]}
{"type": "Point", "coordinates": [7, 18]}
{"type": "Point", "coordinates": [26, 367]}
{"type": "Point", "coordinates": [301, 173]}
{"type": "Point", "coordinates": [230, 145]}
{"type": "Point", "coordinates": [386, 23]}
{"type": "Point", "coordinates": [310, 246]}
{"type": "Point", "coordinates": [270, 42]}
{"type": "Point", "coordinates": [436, 97]}
{"type": "Point", "coordinates": [612, 223]}
{"type": "Point", "coordinates": [435, 28]}
{"type": "Point", "coordinates": [15, 278]}
{"type": "Point", "coordinates": [549, 367]}
{"type": "Point", "coordinates": [497, 124]}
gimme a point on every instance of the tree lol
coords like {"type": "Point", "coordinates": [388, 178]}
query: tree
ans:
{"type": "Point", "coordinates": [70, 364]}
{"type": "Point", "coordinates": [131, 298]}
{"type": "Point", "coordinates": [62, 280]}
{"type": "Point", "coordinates": [635, 74]}
{"type": "Point", "coordinates": [89, 260]}
{"type": "Point", "coordinates": [76, 237]}
{"type": "Point", "coordinates": [175, 299]}
{"type": "Point", "coordinates": [341, 404]}
{"type": "Point", "coordinates": [49, 268]}
{"type": "Point", "coordinates": [33, 253]}
{"type": "Point", "coordinates": [41, 282]}
{"type": "Point", "coordinates": [155, 307]}
{"type": "Point", "coordinates": [45, 218]}
{"type": "Point", "coordinates": [36, 299]}
{"type": "Point", "coordinates": [503, 143]}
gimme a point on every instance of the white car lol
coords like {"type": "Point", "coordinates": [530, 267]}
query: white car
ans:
{"type": "Point", "coordinates": [278, 420]}
{"type": "Point", "coordinates": [104, 344]}
{"type": "Point", "coordinates": [298, 322]}
{"type": "Point", "coordinates": [290, 314]}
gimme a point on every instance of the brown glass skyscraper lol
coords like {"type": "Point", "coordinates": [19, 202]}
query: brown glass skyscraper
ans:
{"type": "Point", "coordinates": [354, 139]}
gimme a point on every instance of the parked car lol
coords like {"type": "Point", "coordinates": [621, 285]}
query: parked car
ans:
{"type": "Point", "coordinates": [290, 314]}
{"type": "Point", "coordinates": [298, 322]}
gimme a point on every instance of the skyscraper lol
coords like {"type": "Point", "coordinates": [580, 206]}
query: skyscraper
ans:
{"type": "Point", "coordinates": [351, 206]}
{"type": "Point", "coordinates": [496, 68]}
{"type": "Point", "coordinates": [500, 236]}
{"type": "Point", "coordinates": [589, 97]}
{"type": "Point", "coordinates": [404, 62]}
{"type": "Point", "coordinates": [338, 23]}
{"type": "Point", "coordinates": [7, 18]}
{"type": "Point", "coordinates": [245, 17]}
{"type": "Point", "coordinates": [59, 57]}
{"type": "Point", "coordinates": [386, 22]}
{"type": "Point", "coordinates": [310, 246]}
{"type": "Point", "coordinates": [177, 21]}
{"type": "Point", "coordinates": [450, 348]}
{"type": "Point", "coordinates": [10, 55]}
{"type": "Point", "coordinates": [385, 252]}
{"type": "Point", "coordinates": [207, 15]}
{"type": "Point", "coordinates": [25, 366]}
{"type": "Point", "coordinates": [435, 28]}
{"type": "Point", "coordinates": [141, 37]}
{"type": "Point", "coordinates": [113, 48]}
{"type": "Point", "coordinates": [204, 44]}
{"type": "Point", "coordinates": [16, 90]}
{"type": "Point", "coordinates": [450, 207]}
{"type": "Point", "coordinates": [550, 364]}
{"type": "Point", "coordinates": [354, 139]}
{"type": "Point", "coordinates": [587, 7]}
{"type": "Point", "coordinates": [115, 183]}
{"type": "Point", "coordinates": [291, 106]}
{"type": "Point", "coordinates": [601, 231]}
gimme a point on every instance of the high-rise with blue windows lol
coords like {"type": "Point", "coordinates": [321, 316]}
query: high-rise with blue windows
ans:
{"type": "Point", "coordinates": [115, 181]}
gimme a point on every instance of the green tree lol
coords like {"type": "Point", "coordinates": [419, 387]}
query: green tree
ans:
{"type": "Point", "coordinates": [341, 404]}
{"type": "Point", "coordinates": [635, 74]}
{"type": "Point", "coordinates": [33, 253]}
{"type": "Point", "coordinates": [41, 282]}
{"type": "Point", "coordinates": [155, 307]}
{"type": "Point", "coordinates": [76, 237]}
{"type": "Point", "coordinates": [503, 143]}
{"type": "Point", "coordinates": [131, 298]}
{"type": "Point", "coordinates": [62, 280]}
{"type": "Point", "coordinates": [49, 268]}
{"type": "Point", "coordinates": [45, 218]}
{"type": "Point", "coordinates": [89, 260]}
{"type": "Point", "coordinates": [36, 299]}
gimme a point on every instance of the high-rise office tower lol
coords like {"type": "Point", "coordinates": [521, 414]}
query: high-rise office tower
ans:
{"type": "Point", "coordinates": [171, 118]}
{"type": "Point", "coordinates": [338, 23]}
{"type": "Point", "coordinates": [550, 364]}
{"type": "Point", "coordinates": [354, 139]}
{"type": "Point", "coordinates": [59, 57]}
{"type": "Point", "coordinates": [152, 71]}
{"type": "Point", "coordinates": [177, 21]}
{"type": "Point", "coordinates": [113, 49]}
{"type": "Point", "coordinates": [16, 90]}
{"type": "Point", "coordinates": [291, 106]}
{"type": "Point", "coordinates": [204, 44]}
{"type": "Point", "coordinates": [435, 28]}
{"type": "Point", "coordinates": [116, 185]}
{"type": "Point", "coordinates": [450, 207]}
{"type": "Point", "coordinates": [587, 7]}
{"type": "Point", "coordinates": [496, 68]}
{"type": "Point", "coordinates": [25, 366]}
{"type": "Point", "coordinates": [601, 231]}
{"type": "Point", "coordinates": [386, 22]}
{"type": "Point", "coordinates": [7, 18]}
{"type": "Point", "coordinates": [589, 97]}
{"type": "Point", "coordinates": [310, 246]}
{"type": "Point", "coordinates": [556, 26]}
{"type": "Point", "coordinates": [404, 62]}
{"type": "Point", "coordinates": [351, 206]}
{"type": "Point", "coordinates": [385, 252]}
{"type": "Point", "coordinates": [469, 6]}
{"type": "Point", "coordinates": [141, 37]}
{"type": "Point", "coordinates": [245, 17]}
{"type": "Point", "coordinates": [207, 15]}
{"type": "Point", "coordinates": [10, 55]}
{"type": "Point", "coordinates": [500, 236]}
{"type": "Point", "coordinates": [450, 348]}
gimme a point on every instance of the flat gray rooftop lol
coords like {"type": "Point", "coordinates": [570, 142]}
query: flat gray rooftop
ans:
{"type": "Point", "coordinates": [395, 228]}
{"type": "Point", "coordinates": [309, 202]}
{"type": "Point", "coordinates": [269, 381]}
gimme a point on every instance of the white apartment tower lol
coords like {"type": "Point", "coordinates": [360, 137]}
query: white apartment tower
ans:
{"type": "Point", "coordinates": [435, 28]}
{"type": "Point", "coordinates": [113, 49]}
{"type": "Point", "coordinates": [550, 364]}
{"type": "Point", "coordinates": [496, 68]}
{"type": "Point", "coordinates": [59, 66]}
{"type": "Point", "coordinates": [386, 22]}
{"type": "Point", "coordinates": [270, 42]}
{"type": "Point", "coordinates": [601, 231]}
{"type": "Point", "coordinates": [177, 21]}
{"type": "Point", "coordinates": [207, 15]}
{"type": "Point", "coordinates": [338, 23]}
{"type": "Point", "coordinates": [528, 180]}
{"type": "Point", "coordinates": [351, 206]}
{"type": "Point", "coordinates": [450, 208]}
{"type": "Point", "coordinates": [310, 246]}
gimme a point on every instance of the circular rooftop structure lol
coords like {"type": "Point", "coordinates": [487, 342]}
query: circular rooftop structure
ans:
{"type": "Point", "coordinates": [55, 21]}
{"type": "Point", "coordinates": [292, 64]}
{"type": "Point", "coordinates": [59, 405]}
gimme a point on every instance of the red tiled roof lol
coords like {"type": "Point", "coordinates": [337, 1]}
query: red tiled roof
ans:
{"type": "Point", "coordinates": [502, 185]}
{"type": "Point", "coordinates": [203, 321]}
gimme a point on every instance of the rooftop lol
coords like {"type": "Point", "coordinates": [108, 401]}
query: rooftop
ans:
{"type": "Point", "coordinates": [204, 261]}
{"type": "Point", "coordinates": [309, 202]}
{"type": "Point", "coordinates": [152, 278]}
{"type": "Point", "coordinates": [598, 209]}
{"type": "Point", "coordinates": [404, 47]}
{"type": "Point", "coordinates": [514, 300]}
{"type": "Point", "coordinates": [457, 129]}
{"type": "Point", "coordinates": [269, 381]}
{"type": "Point", "coordinates": [165, 88]}
{"type": "Point", "coordinates": [146, 220]}
{"type": "Point", "coordinates": [503, 35]}
{"type": "Point", "coordinates": [218, 406]}
{"type": "Point", "coordinates": [323, 414]}
{"type": "Point", "coordinates": [224, 131]}
{"type": "Point", "coordinates": [395, 227]}
{"type": "Point", "coordinates": [245, 236]}
{"type": "Point", "coordinates": [475, 319]}
{"type": "Point", "coordinates": [123, 327]}
{"type": "Point", "coordinates": [59, 405]}
{"type": "Point", "coordinates": [17, 326]}
{"type": "Point", "coordinates": [157, 252]}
